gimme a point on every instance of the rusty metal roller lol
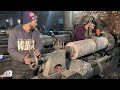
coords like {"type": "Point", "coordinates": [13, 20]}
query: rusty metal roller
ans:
{"type": "Point", "coordinates": [83, 47]}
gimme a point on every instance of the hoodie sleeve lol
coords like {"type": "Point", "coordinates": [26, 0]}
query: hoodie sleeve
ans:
{"type": "Point", "coordinates": [80, 33]}
{"type": "Point", "coordinates": [12, 47]}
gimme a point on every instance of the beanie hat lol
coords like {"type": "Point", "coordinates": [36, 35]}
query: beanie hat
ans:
{"type": "Point", "coordinates": [29, 16]}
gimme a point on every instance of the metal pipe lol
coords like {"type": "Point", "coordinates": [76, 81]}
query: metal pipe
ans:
{"type": "Point", "coordinates": [48, 40]}
{"type": "Point", "coordinates": [81, 48]}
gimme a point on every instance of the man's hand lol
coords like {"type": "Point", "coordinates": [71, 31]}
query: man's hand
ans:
{"type": "Point", "coordinates": [37, 52]}
{"type": "Point", "coordinates": [27, 59]}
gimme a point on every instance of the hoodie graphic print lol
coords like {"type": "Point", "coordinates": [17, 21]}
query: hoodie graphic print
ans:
{"type": "Point", "coordinates": [27, 44]}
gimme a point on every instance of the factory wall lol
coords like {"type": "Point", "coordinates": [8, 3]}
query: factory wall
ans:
{"type": "Point", "coordinates": [108, 21]}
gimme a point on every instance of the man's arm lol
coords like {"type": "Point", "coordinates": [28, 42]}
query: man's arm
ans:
{"type": "Point", "coordinates": [80, 33]}
{"type": "Point", "coordinates": [12, 48]}
{"type": "Point", "coordinates": [83, 34]}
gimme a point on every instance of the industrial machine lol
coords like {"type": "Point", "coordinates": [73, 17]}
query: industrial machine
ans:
{"type": "Point", "coordinates": [63, 59]}
{"type": "Point", "coordinates": [77, 60]}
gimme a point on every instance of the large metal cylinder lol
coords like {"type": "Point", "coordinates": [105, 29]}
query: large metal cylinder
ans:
{"type": "Point", "coordinates": [48, 40]}
{"type": "Point", "coordinates": [80, 48]}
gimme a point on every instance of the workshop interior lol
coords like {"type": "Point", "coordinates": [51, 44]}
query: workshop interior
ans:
{"type": "Point", "coordinates": [97, 56]}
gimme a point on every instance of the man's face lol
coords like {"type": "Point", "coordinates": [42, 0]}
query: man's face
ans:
{"type": "Point", "coordinates": [33, 24]}
{"type": "Point", "coordinates": [91, 26]}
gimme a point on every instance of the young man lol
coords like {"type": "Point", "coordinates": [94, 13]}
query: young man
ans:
{"type": "Point", "coordinates": [96, 32]}
{"type": "Point", "coordinates": [23, 39]}
{"type": "Point", "coordinates": [80, 31]}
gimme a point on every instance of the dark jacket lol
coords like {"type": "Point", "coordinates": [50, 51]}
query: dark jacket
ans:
{"type": "Point", "coordinates": [79, 33]}
{"type": "Point", "coordinates": [19, 43]}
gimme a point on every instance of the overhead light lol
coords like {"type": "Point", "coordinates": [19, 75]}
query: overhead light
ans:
{"type": "Point", "coordinates": [7, 20]}
{"type": "Point", "coordinates": [18, 21]}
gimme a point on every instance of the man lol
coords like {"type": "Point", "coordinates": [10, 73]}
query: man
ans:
{"type": "Point", "coordinates": [23, 39]}
{"type": "Point", "coordinates": [80, 32]}
{"type": "Point", "coordinates": [97, 32]}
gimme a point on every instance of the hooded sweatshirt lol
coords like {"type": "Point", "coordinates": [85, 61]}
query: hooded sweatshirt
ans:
{"type": "Point", "coordinates": [79, 33]}
{"type": "Point", "coordinates": [20, 43]}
